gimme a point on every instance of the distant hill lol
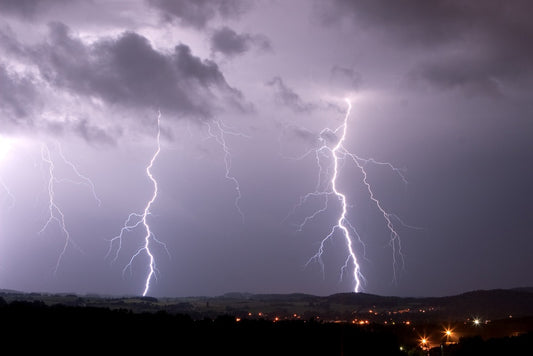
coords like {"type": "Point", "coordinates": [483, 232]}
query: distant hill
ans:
{"type": "Point", "coordinates": [498, 303]}
{"type": "Point", "coordinates": [485, 304]}
{"type": "Point", "coordinates": [489, 304]}
{"type": "Point", "coordinates": [479, 323]}
{"type": "Point", "coordinates": [524, 289]}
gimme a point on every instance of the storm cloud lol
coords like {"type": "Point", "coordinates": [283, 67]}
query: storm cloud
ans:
{"type": "Point", "coordinates": [28, 9]}
{"type": "Point", "coordinates": [230, 43]}
{"type": "Point", "coordinates": [347, 78]}
{"type": "Point", "coordinates": [478, 46]}
{"type": "Point", "coordinates": [125, 70]}
{"type": "Point", "coordinates": [129, 71]}
{"type": "Point", "coordinates": [286, 96]}
{"type": "Point", "coordinates": [18, 97]}
{"type": "Point", "coordinates": [198, 13]}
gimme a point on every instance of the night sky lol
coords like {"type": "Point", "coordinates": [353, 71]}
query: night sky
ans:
{"type": "Point", "coordinates": [246, 92]}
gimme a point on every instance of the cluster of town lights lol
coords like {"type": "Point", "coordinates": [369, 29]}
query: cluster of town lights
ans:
{"type": "Point", "coordinates": [448, 334]}
{"type": "Point", "coordinates": [425, 342]}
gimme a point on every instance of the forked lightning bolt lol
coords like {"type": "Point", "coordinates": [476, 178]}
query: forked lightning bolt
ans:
{"type": "Point", "coordinates": [82, 179]}
{"type": "Point", "coordinates": [218, 131]}
{"type": "Point", "coordinates": [135, 220]}
{"type": "Point", "coordinates": [394, 241]}
{"type": "Point", "coordinates": [55, 213]}
{"type": "Point", "coordinates": [327, 188]}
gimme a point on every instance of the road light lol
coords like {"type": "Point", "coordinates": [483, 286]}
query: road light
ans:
{"type": "Point", "coordinates": [424, 344]}
{"type": "Point", "coordinates": [448, 333]}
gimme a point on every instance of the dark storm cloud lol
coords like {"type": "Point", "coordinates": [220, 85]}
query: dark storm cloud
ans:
{"type": "Point", "coordinates": [27, 9]}
{"type": "Point", "coordinates": [128, 71]}
{"type": "Point", "coordinates": [302, 134]}
{"type": "Point", "coordinates": [10, 46]}
{"type": "Point", "coordinates": [93, 133]}
{"type": "Point", "coordinates": [20, 103]}
{"type": "Point", "coordinates": [420, 22]}
{"type": "Point", "coordinates": [230, 43]}
{"type": "Point", "coordinates": [490, 40]}
{"type": "Point", "coordinates": [197, 13]}
{"type": "Point", "coordinates": [288, 97]}
{"type": "Point", "coordinates": [471, 76]}
{"type": "Point", "coordinates": [346, 77]}
{"type": "Point", "coordinates": [415, 21]}
{"type": "Point", "coordinates": [17, 97]}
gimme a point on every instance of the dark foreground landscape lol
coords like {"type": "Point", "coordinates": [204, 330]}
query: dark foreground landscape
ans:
{"type": "Point", "coordinates": [475, 323]}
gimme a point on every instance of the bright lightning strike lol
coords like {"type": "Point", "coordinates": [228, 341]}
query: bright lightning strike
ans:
{"type": "Point", "coordinates": [395, 242]}
{"type": "Point", "coordinates": [82, 179]}
{"type": "Point", "coordinates": [327, 188]}
{"type": "Point", "coordinates": [218, 131]}
{"type": "Point", "coordinates": [55, 213]}
{"type": "Point", "coordinates": [135, 219]}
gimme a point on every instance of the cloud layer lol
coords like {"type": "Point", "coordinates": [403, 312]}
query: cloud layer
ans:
{"type": "Point", "coordinates": [230, 43]}
{"type": "Point", "coordinates": [122, 71]}
{"type": "Point", "coordinates": [198, 13]}
{"type": "Point", "coordinates": [478, 46]}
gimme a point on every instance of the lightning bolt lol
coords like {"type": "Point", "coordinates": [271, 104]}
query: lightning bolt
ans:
{"type": "Point", "coordinates": [83, 179]}
{"type": "Point", "coordinates": [394, 242]}
{"type": "Point", "coordinates": [218, 131]}
{"type": "Point", "coordinates": [55, 213]}
{"type": "Point", "coordinates": [135, 220]}
{"type": "Point", "coordinates": [327, 189]}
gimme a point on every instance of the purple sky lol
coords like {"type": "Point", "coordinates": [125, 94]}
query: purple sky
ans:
{"type": "Point", "coordinates": [441, 90]}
